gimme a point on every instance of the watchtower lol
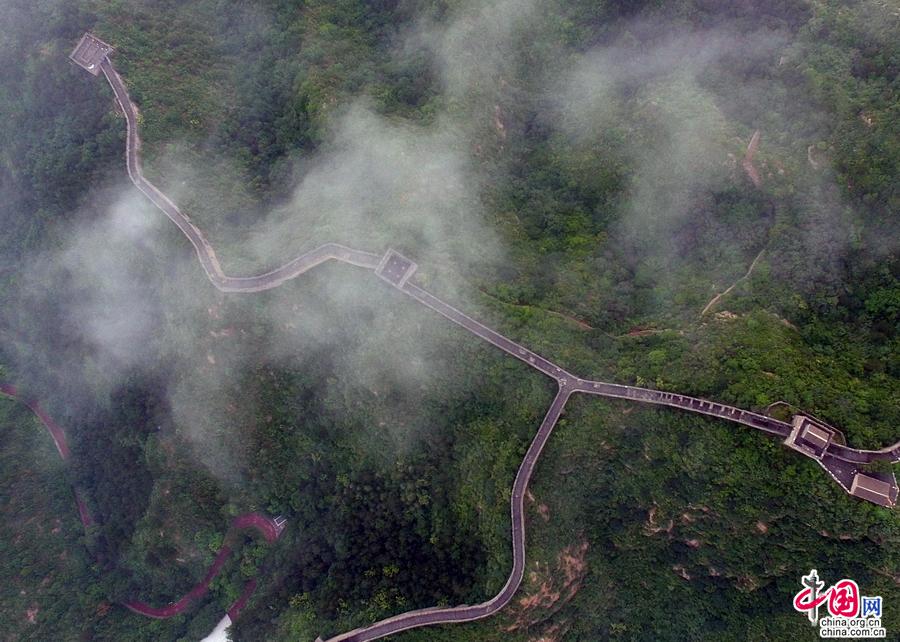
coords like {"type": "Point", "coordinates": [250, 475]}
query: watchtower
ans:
{"type": "Point", "coordinates": [810, 437]}
{"type": "Point", "coordinates": [89, 53]}
{"type": "Point", "coordinates": [395, 268]}
{"type": "Point", "coordinates": [873, 487]}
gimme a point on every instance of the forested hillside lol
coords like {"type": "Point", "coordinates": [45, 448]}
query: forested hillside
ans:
{"type": "Point", "coordinates": [585, 177]}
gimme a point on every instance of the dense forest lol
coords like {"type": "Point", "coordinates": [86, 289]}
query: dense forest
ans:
{"type": "Point", "coordinates": [577, 174]}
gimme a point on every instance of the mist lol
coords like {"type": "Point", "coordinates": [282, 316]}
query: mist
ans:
{"type": "Point", "coordinates": [129, 294]}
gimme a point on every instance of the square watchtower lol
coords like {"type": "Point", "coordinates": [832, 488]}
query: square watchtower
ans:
{"type": "Point", "coordinates": [89, 53]}
{"type": "Point", "coordinates": [395, 268]}
{"type": "Point", "coordinates": [809, 437]}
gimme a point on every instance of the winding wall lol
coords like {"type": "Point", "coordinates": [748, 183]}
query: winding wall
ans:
{"type": "Point", "coordinates": [370, 261]}
{"type": "Point", "coordinates": [567, 383]}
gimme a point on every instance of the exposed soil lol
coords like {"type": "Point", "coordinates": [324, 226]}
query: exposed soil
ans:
{"type": "Point", "coordinates": [553, 633]}
{"type": "Point", "coordinates": [747, 162]}
{"type": "Point", "coordinates": [651, 527]}
{"type": "Point", "coordinates": [550, 589]}
{"type": "Point", "coordinates": [542, 509]}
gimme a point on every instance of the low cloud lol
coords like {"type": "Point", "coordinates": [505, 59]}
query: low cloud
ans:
{"type": "Point", "coordinates": [126, 290]}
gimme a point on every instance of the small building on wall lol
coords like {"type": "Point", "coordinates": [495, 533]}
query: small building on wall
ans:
{"type": "Point", "coordinates": [875, 488]}
{"type": "Point", "coordinates": [89, 53]}
{"type": "Point", "coordinates": [810, 437]}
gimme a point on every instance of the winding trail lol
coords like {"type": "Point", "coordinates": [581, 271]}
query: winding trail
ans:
{"type": "Point", "coordinates": [55, 430]}
{"type": "Point", "coordinates": [724, 293]}
{"type": "Point", "coordinates": [268, 527]}
{"type": "Point", "coordinates": [59, 438]}
{"type": "Point", "coordinates": [397, 271]}
{"type": "Point", "coordinates": [269, 530]}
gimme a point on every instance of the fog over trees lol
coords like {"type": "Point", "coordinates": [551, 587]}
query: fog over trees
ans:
{"type": "Point", "coordinates": [575, 174]}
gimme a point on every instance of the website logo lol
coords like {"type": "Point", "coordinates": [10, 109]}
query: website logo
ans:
{"type": "Point", "coordinates": [849, 614]}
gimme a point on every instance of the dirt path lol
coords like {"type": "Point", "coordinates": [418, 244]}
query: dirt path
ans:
{"type": "Point", "coordinates": [719, 296]}
{"type": "Point", "coordinates": [568, 317]}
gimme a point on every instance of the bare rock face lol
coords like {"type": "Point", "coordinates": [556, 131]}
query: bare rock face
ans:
{"type": "Point", "coordinates": [747, 162]}
{"type": "Point", "coordinates": [550, 589]}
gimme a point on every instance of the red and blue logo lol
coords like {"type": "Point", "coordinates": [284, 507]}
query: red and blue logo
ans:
{"type": "Point", "coordinates": [851, 614]}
